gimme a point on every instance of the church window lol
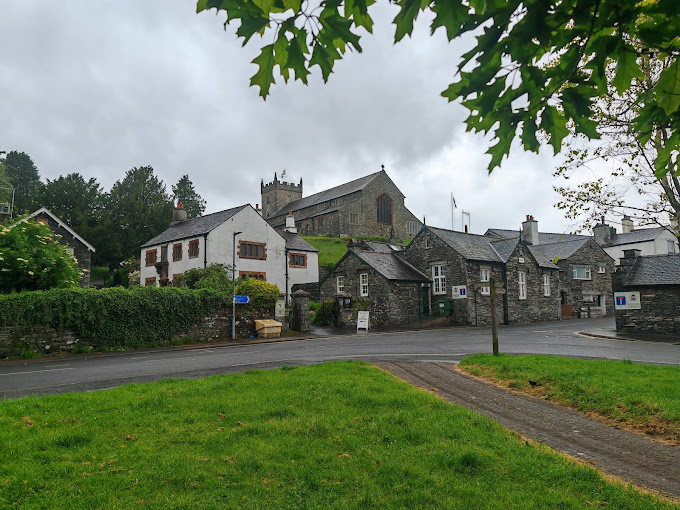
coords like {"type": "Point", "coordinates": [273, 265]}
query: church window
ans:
{"type": "Point", "coordinates": [384, 209]}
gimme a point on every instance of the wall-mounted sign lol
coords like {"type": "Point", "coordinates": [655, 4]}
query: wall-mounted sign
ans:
{"type": "Point", "coordinates": [627, 301]}
{"type": "Point", "coordinates": [459, 292]}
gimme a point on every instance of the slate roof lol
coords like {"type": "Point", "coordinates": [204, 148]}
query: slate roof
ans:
{"type": "Point", "coordinates": [470, 246]}
{"type": "Point", "coordinates": [194, 227]}
{"type": "Point", "coordinates": [382, 247]}
{"type": "Point", "coordinates": [654, 270]}
{"type": "Point", "coordinates": [504, 248]}
{"type": "Point", "coordinates": [295, 242]}
{"type": "Point", "coordinates": [329, 194]}
{"type": "Point", "coordinates": [391, 266]}
{"type": "Point", "coordinates": [562, 250]}
{"type": "Point", "coordinates": [636, 236]}
{"type": "Point", "coordinates": [543, 237]}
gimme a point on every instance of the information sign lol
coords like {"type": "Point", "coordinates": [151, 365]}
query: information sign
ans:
{"type": "Point", "coordinates": [459, 292]}
{"type": "Point", "coordinates": [362, 320]}
{"type": "Point", "coordinates": [241, 300]}
{"type": "Point", "coordinates": [627, 301]}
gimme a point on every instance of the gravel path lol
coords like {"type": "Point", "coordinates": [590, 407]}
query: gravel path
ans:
{"type": "Point", "coordinates": [628, 456]}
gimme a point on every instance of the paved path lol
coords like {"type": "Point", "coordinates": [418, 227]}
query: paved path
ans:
{"type": "Point", "coordinates": [628, 456]}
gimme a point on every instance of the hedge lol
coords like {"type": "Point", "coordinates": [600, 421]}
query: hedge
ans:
{"type": "Point", "coordinates": [112, 317]}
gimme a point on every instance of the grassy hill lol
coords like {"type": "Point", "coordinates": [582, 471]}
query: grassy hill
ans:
{"type": "Point", "coordinates": [332, 249]}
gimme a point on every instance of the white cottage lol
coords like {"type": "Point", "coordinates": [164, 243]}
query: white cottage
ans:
{"type": "Point", "coordinates": [261, 252]}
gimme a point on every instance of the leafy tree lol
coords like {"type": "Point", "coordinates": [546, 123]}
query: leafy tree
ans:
{"type": "Point", "coordinates": [137, 209]}
{"type": "Point", "coordinates": [536, 72]}
{"type": "Point", "coordinates": [31, 258]}
{"type": "Point", "coordinates": [78, 202]}
{"type": "Point", "coordinates": [25, 177]}
{"type": "Point", "coordinates": [184, 192]}
{"type": "Point", "coordinates": [6, 188]}
{"type": "Point", "coordinates": [215, 277]}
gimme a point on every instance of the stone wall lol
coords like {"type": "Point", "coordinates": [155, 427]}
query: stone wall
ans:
{"type": "Point", "coordinates": [659, 313]}
{"type": "Point", "coordinates": [536, 307]}
{"type": "Point", "coordinates": [44, 340]}
{"type": "Point", "coordinates": [600, 284]}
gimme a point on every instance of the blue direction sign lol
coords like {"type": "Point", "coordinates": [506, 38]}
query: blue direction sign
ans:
{"type": "Point", "coordinates": [241, 300]}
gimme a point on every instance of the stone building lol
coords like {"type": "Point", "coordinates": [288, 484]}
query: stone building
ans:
{"type": "Point", "coordinates": [657, 280]}
{"type": "Point", "coordinates": [377, 279]}
{"type": "Point", "coordinates": [76, 245]}
{"type": "Point", "coordinates": [585, 286]}
{"type": "Point", "coordinates": [527, 284]}
{"type": "Point", "coordinates": [369, 206]}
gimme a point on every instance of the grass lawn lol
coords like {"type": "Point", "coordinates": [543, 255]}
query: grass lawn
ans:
{"type": "Point", "coordinates": [642, 397]}
{"type": "Point", "coordinates": [332, 249]}
{"type": "Point", "coordinates": [338, 435]}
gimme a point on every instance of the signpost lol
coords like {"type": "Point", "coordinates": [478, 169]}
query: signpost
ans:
{"type": "Point", "coordinates": [241, 300]}
{"type": "Point", "coordinates": [627, 301]}
{"type": "Point", "coordinates": [494, 319]}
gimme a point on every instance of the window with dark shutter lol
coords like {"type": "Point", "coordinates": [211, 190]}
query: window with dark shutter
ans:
{"type": "Point", "coordinates": [384, 209]}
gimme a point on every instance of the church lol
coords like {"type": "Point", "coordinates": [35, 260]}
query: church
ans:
{"type": "Point", "coordinates": [368, 206]}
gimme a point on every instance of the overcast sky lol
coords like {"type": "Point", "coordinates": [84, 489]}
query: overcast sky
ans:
{"type": "Point", "coordinates": [99, 88]}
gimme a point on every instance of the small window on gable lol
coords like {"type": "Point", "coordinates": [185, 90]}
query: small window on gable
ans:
{"type": "Point", "coordinates": [363, 284]}
{"type": "Point", "coordinates": [520, 260]}
{"type": "Point", "coordinates": [298, 260]}
{"type": "Point", "coordinates": [427, 243]}
{"type": "Point", "coordinates": [601, 267]}
{"type": "Point", "coordinates": [71, 250]}
{"type": "Point", "coordinates": [522, 284]}
{"type": "Point", "coordinates": [484, 274]}
{"type": "Point", "coordinates": [580, 272]}
{"type": "Point", "coordinates": [671, 246]}
{"type": "Point", "coordinates": [341, 283]}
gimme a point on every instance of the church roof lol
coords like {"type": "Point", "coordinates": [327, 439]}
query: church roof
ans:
{"type": "Point", "coordinates": [329, 194]}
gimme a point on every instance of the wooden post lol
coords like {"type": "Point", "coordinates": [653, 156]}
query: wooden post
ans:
{"type": "Point", "coordinates": [494, 319]}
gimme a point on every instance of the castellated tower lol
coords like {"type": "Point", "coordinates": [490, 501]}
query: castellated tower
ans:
{"type": "Point", "coordinates": [277, 194]}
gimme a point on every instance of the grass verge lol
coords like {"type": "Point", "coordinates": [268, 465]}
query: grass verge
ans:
{"type": "Point", "coordinates": [338, 435]}
{"type": "Point", "coordinates": [640, 397]}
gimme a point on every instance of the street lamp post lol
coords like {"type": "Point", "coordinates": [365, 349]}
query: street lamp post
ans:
{"type": "Point", "coordinates": [233, 285]}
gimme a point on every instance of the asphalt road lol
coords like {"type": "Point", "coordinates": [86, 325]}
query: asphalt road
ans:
{"type": "Point", "coordinates": [99, 371]}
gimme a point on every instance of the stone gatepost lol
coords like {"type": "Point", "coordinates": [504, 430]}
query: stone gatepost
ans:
{"type": "Point", "coordinates": [300, 319]}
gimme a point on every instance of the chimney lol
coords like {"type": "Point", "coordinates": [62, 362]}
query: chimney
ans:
{"type": "Point", "coordinates": [530, 229]}
{"type": "Point", "coordinates": [627, 225]}
{"type": "Point", "coordinates": [179, 214]}
{"type": "Point", "coordinates": [627, 262]}
{"type": "Point", "coordinates": [290, 223]}
{"type": "Point", "coordinates": [257, 209]}
{"type": "Point", "coordinates": [603, 233]}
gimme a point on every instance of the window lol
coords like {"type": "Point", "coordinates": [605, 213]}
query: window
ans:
{"type": "Point", "coordinates": [427, 243]}
{"type": "Point", "coordinates": [163, 273]}
{"type": "Point", "coordinates": [253, 274]}
{"type": "Point", "coordinates": [522, 281]}
{"type": "Point", "coordinates": [150, 258]}
{"type": "Point", "coordinates": [164, 253]}
{"type": "Point", "coordinates": [252, 251]}
{"type": "Point", "coordinates": [384, 209]}
{"type": "Point", "coordinates": [601, 268]}
{"type": "Point", "coordinates": [520, 260]}
{"type": "Point", "coordinates": [439, 279]}
{"type": "Point", "coordinates": [353, 218]}
{"type": "Point", "coordinates": [71, 250]}
{"type": "Point", "coordinates": [363, 284]}
{"type": "Point", "coordinates": [581, 272]}
{"type": "Point", "coordinates": [150, 282]}
{"type": "Point", "coordinates": [484, 275]}
{"type": "Point", "coordinates": [175, 276]}
{"type": "Point", "coordinates": [341, 284]}
{"type": "Point", "coordinates": [193, 249]}
{"type": "Point", "coordinates": [412, 227]}
{"type": "Point", "coordinates": [671, 246]}
{"type": "Point", "coordinates": [485, 291]}
{"type": "Point", "coordinates": [546, 284]}
{"type": "Point", "coordinates": [269, 200]}
{"type": "Point", "coordinates": [319, 222]}
{"type": "Point", "coordinates": [177, 252]}
{"type": "Point", "coordinates": [298, 260]}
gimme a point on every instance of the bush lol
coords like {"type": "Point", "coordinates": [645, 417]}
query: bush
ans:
{"type": "Point", "coordinates": [31, 258]}
{"type": "Point", "coordinates": [114, 317]}
{"type": "Point", "coordinates": [214, 277]}
{"type": "Point", "coordinates": [263, 295]}
{"type": "Point", "coordinates": [325, 314]}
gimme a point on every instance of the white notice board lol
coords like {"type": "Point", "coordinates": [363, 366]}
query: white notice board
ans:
{"type": "Point", "coordinates": [362, 320]}
{"type": "Point", "coordinates": [627, 301]}
{"type": "Point", "coordinates": [459, 292]}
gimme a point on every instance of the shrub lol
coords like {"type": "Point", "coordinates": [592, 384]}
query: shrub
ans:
{"type": "Point", "coordinates": [112, 317]}
{"type": "Point", "coordinates": [214, 277]}
{"type": "Point", "coordinates": [31, 258]}
{"type": "Point", "coordinates": [263, 295]}
{"type": "Point", "coordinates": [325, 314]}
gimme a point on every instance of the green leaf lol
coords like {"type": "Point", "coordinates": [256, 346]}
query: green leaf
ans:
{"type": "Point", "coordinates": [296, 5]}
{"type": "Point", "coordinates": [627, 69]}
{"type": "Point", "coordinates": [321, 58]}
{"type": "Point", "coordinates": [297, 61]}
{"type": "Point", "coordinates": [449, 15]}
{"type": "Point", "coordinates": [264, 77]}
{"type": "Point", "coordinates": [251, 25]}
{"type": "Point", "coordinates": [555, 125]}
{"type": "Point", "coordinates": [405, 18]}
{"type": "Point", "coordinates": [668, 88]}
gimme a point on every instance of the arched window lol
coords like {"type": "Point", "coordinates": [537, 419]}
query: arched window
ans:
{"type": "Point", "coordinates": [384, 208]}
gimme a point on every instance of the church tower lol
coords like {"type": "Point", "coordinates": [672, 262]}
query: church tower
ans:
{"type": "Point", "coordinates": [277, 194]}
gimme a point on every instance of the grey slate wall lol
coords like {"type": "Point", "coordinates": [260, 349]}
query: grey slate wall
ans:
{"type": "Point", "coordinates": [659, 313]}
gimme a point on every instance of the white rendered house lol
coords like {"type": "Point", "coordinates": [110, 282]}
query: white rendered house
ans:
{"type": "Point", "coordinates": [261, 251]}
